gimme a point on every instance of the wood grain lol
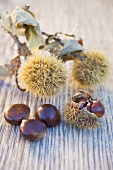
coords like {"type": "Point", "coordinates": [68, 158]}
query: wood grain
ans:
{"type": "Point", "coordinates": [64, 147]}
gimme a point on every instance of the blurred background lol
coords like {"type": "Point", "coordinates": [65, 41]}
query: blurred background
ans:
{"type": "Point", "coordinates": [94, 19]}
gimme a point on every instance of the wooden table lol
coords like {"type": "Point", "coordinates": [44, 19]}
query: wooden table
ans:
{"type": "Point", "coordinates": [64, 147]}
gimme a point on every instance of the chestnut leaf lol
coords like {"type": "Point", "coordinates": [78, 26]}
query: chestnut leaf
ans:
{"type": "Point", "coordinates": [9, 69]}
{"type": "Point", "coordinates": [71, 46]}
{"type": "Point", "coordinates": [68, 46]}
{"type": "Point", "coordinates": [65, 49]}
{"type": "Point", "coordinates": [6, 23]}
{"type": "Point", "coordinates": [23, 19]}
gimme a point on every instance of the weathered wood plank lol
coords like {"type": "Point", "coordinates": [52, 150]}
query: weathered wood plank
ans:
{"type": "Point", "coordinates": [64, 147]}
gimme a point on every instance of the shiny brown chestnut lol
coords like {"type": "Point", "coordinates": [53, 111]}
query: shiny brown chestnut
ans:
{"type": "Point", "coordinates": [82, 105]}
{"type": "Point", "coordinates": [48, 114]}
{"type": "Point", "coordinates": [85, 94]}
{"type": "Point", "coordinates": [77, 98]}
{"type": "Point", "coordinates": [81, 96]}
{"type": "Point", "coordinates": [96, 107]}
{"type": "Point", "coordinates": [15, 113]}
{"type": "Point", "coordinates": [81, 100]}
{"type": "Point", "coordinates": [32, 129]}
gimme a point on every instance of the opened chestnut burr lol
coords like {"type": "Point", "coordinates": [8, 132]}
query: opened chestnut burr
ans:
{"type": "Point", "coordinates": [83, 111]}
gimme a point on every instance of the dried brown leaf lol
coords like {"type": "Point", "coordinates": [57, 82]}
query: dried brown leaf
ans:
{"type": "Point", "coordinates": [80, 41]}
{"type": "Point", "coordinates": [16, 62]}
{"type": "Point", "coordinates": [26, 8]}
{"type": "Point", "coordinates": [71, 46]}
{"type": "Point", "coordinates": [23, 19]}
{"type": "Point", "coordinates": [9, 69]}
{"type": "Point", "coordinates": [6, 23]}
{"type": "Point", "coordinates": [25, 50]}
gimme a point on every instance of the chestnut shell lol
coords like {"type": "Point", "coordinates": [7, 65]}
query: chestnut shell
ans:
{"type": "Point", "coordinates": [15, 113]}
{"type": "Point", "coordinates": [32, 129]}
{"type": "Point", "coordinates": [48, 114]}
{"type": "Point", "coordinates": [97, 108]}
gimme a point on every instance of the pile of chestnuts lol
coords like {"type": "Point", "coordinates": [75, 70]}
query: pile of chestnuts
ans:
{"type": "Point", "coordinates": [46, 115]}
{"type": "Point", "coordinates": [83, 111]}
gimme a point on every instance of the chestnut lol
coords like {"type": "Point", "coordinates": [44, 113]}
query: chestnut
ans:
{"type": "Point", "coordinates": [78, 111]}
{"type": "Point", "coordinates": [32, 129]}
{"type": "Point", "coordinates": [85, 94]}
{"type": "Point", "coordinates": [79, 98]}
{"type": "Point", "coordinates": [15, 113]}
{"type": "Point", "coordinates": [89, 106]}
{"type": "Point", "coordinates": [81, 95]}
{"type": "Point", "coordinates": [82, 105]}
{"type": "Point", "coordinates": [48, 114]}
{"type": "Point", "coordinates": [96, 107]}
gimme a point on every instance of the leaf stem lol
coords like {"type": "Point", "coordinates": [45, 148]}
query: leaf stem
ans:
{"type": "Point", "coordinates": [16, 80]}
{"type": "Point", "coordinates": [16, 40]}
{"type": "Point", "coordinates": [24, 50]}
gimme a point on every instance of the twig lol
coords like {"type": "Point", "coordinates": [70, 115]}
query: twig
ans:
{"type": "Point", "coordinates": [16, 80]}
{"type": "Point", "coordinates": [78, 55]}
{"type": "Point", "coordinates": [71, 56]}
{"type": "Point", "coordinates": [24, 50]}
{"type": "Point", "coordinates": [15, 38]}
{"type": "Point", "coordinates": [55, 37]}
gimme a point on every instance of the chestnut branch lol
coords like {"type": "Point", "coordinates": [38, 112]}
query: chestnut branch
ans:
{"type": "Point", "coordinates": [23, 50]}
